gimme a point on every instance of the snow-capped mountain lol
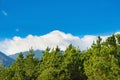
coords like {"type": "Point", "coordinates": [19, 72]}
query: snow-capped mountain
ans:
{"type": "Point", "coordinates": [55, 38]}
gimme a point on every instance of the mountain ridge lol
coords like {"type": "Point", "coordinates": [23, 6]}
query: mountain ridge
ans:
{"type": "Point", "coordinates": [37, 53]}
{"type": "Point", "coordinates": [5, 60]}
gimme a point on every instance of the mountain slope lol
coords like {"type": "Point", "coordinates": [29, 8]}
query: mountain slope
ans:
{"type": "Point", "coordinates": [5, 60]}
{"type": "Point", "coordinates": [37, 53]}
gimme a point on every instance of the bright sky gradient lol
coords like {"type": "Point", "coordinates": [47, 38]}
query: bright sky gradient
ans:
{"type": "Point", "coordinates": [78, 17]}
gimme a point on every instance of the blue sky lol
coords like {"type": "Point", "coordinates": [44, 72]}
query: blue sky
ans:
{"type": "Point", "coordinates": [78, 17]}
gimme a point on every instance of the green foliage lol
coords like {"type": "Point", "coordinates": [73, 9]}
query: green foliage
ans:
{"type": "Point", "coordinates": [101, 61]}
{"type": "Point", "coordinates": [49, 74]}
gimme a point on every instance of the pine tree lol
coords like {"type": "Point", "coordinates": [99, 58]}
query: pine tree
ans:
{"type": "Point", "coordinates": [30, 64]}
{"type": "Point", "coordinates": [50, 64]}
{"type": "Point", "coordinates": [71, 65]}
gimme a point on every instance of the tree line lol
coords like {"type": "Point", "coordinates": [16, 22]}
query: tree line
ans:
{"type": "Point", "coordinates": [100, 62]}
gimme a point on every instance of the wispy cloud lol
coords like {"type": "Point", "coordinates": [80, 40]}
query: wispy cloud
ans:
{"type": "Point", "coordinates": [52, 39]}
{"type": "Point", "coordinates": [4, 13]}
{"type": "Point", "coordinates": [17, 30]}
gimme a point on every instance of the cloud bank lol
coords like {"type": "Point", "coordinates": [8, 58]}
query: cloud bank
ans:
{"type": "Point", "coordinates": [52, 39]}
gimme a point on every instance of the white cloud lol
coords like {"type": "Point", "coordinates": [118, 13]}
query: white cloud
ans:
{"type": "Point", "coordinates": [4, 13]}
{"type": "Point", "coordinates": [52, 39]}
{"type": "Point", "coordinates": [17, 30]}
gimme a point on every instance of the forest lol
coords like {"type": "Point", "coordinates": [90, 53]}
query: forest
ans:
{"type": "Point", "coordinates": [99, 62]}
